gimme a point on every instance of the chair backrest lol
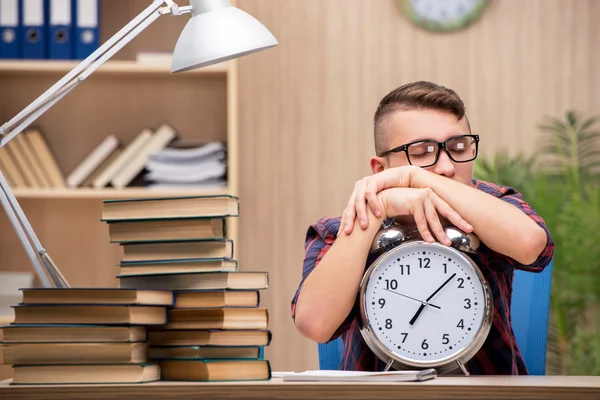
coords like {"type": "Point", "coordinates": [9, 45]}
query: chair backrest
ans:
{"type": "Point", "coordinates": [530, 310]}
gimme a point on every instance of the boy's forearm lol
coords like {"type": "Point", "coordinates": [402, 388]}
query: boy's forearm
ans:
{"type": "Point", "coordinates": [329, 292]}
{"type": "Point", "coordinates": [493, 220]}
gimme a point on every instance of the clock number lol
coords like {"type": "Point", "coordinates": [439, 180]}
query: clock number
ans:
{"type": "Point", "coordinates": [381, 303]}
{"type": "Point", "coordinates": [388, 324]}
{"type": "Point", "coordinates": [405, 336]}
{"type": "Point", "coordinates": [393, 284]}
{"type": "Point", "coordinates": [445, 268]}
{"type": "Point", "coordinates": [461, 324]}
{"type": "Point", "coordinates": [468, 305]}
{"type": "Point", "coordinates": [424, 345]}
{"type": "Point", "coordinates": [445, 338]}
{"type": "Point", "coordinates": [461, 283]}
{"type": "Point", "coordinates": [424, 262]}
{"type": "Point", "coordinates": [402, 269]}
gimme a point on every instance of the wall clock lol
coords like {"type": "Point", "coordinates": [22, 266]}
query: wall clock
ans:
{"type": "Point", "coordinates": [424, 305]}
{"type": "Point", "coordinates": [443, 15]}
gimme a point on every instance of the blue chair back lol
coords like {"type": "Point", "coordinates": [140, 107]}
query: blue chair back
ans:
{"type": "Point", "coordinates": [530, 310]}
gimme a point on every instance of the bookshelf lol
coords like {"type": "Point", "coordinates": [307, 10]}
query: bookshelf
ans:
{"type": "Point", "coordinates": [110, 67]}
{"type": "Point", "coordinates": [122, 98]}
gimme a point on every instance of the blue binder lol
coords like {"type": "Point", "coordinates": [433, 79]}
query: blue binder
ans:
{"type": "Point", "coordinates": [60, 43]}
{"type": "Point", "coordinates": [9, 29]}
{"type": "Point", "coordinates": [86, 21]}
{"type": "Point", "coordinates": [33, 32]}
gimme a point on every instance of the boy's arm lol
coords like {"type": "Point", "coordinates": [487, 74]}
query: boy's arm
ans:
{"type": "Point", "coordinates": [513, 197]}
{"type": "Point", "coordinates": [503, 227]}
{"type": "Point", "coordinates": [507, 225]}
{"type": "Point", "coordinates": [328, 293]}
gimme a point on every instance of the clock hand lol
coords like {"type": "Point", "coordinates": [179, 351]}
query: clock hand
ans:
{"type": "Point", "coordinates": [412, 298]}
{"type": "Point", "coordinates": [422, 306]}
{"type": "Point", "coordinates": [440, 288]}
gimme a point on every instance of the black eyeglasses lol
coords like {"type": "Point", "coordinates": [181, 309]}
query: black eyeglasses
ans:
{"type": "Point", "coordinates": [425, 153]}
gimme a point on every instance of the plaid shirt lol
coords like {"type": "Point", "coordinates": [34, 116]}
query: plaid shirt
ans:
{"type": "Point", "coordinates": [499, 354]}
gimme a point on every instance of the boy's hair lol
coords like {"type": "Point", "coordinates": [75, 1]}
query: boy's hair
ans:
{"type": "Point", "coordinates": [415, 95]}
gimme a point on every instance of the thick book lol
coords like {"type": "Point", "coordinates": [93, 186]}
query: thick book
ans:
{"type": "Point", "coordinates": [217, 298]}
{"type": "Point", "coordinates": [163, 135]}
{"type": "Point", "coordinates": [250, 280]}
{"type": "Point", "coordinates": [170, 207]}
{"type": "Point", "coordinates": [44, 154]}
{"type": "Point", "coordinates": [210, 338]}
{"type": "Point", "coordinates": [90, 314]}
{"type": "Point", "coordinates": [119, 163]}
{"type": "Point", "coordinates": [217, 318]}
{"type": "Point", "coordinates": [84, 296]}
{"type": "Point", "coordinates": [73, 353]}
{"type": "Point", "coordinates": [209, 249]}
{"type": "Point", "coordinates": [360, 376]}
{"type": "Point", "coordinates": [10, 169]}
{"type": "Point", "coordinates": [85, 374]}
{"type": "Point", "coordinates": [167, 229]}
{"type": "Point", "coordinates": [89, 164]}
{"type": "Point", "coordinates": [203, 352]}
{"type": "Point", "coordinates": [50, 333]}
{"type": "Point", "coordinates": [177, 267]}
{"type": "Point", "coordinates": [215, 370]}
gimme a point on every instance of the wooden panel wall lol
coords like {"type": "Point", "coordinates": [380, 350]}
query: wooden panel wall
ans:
{"type": "Point", "coordinates": [305, 110]}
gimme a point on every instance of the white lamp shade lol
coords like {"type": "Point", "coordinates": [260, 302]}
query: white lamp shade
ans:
{"type": "Point", "coordinates": [218, 32]}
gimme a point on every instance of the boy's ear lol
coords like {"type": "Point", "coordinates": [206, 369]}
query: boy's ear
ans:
{"type": "Point", "coordinates": [378, 164]}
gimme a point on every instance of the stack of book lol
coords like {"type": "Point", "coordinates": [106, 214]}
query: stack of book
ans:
{"type": "Point", "coordinates": [216, 328]}
{"type": "Point", "coordinates": [78, 336]}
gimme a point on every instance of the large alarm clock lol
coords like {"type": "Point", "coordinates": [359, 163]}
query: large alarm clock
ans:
{"type": "Point", "coordinates": [424, 305]}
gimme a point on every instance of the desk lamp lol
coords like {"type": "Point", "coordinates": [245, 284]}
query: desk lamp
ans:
{"type": "Point", "coordinates": [216, 32]}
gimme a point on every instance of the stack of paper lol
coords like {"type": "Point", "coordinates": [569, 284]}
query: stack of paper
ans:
{"type": "Point", "coordinates": [359, 376]}
{"type": "Point", "coordinates": [204, 165]}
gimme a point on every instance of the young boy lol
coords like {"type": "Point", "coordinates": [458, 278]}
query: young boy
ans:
{"type": "Point", "coordinates": [422, 171]}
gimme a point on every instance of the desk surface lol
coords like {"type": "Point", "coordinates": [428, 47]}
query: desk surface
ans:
{"type": "Point", "coordinates": [474, 387]}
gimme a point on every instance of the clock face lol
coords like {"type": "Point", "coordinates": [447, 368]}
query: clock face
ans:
{"type": "Point", "coordinates": [424, 302]}
{"type": "Point", "coordinates": [443, 15]}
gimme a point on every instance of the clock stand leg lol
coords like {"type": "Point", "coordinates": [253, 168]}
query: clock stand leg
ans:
{"type": "Point", "coordinates": [388, 366]}
{"type": "Point", "coordinates": [462, 366]}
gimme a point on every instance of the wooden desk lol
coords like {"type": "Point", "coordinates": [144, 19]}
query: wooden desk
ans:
{"type": "Point", "coordinates": [496, 387]}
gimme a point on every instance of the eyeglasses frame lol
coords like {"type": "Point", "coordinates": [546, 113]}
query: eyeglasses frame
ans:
{"type": "Point", "coordinates": [440, 146]}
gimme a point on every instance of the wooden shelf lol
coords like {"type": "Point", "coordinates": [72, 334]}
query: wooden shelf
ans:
{"type": "Point", "coordinates": [88, 193]}
{"type": "Point", "coordinates": [110, 67]}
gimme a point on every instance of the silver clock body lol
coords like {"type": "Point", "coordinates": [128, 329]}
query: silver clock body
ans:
{"type": "Point", "coordinates": [395, 243]}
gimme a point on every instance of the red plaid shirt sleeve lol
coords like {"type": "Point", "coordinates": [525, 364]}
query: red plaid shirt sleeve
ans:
{"type": "Point", "coordinates": [319, 239]}
{"type": "Point", "coordinates": [515, 198]}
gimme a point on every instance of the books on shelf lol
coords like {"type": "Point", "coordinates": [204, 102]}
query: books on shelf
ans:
{"type": "Point", "coordinates": [94, 161]}
{"type": "Point", "coordinates": [156, 158]}
{"type": "Point", "coordinates": [28, 161]}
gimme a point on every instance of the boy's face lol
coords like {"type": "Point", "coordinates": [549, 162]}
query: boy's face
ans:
{"type": "Point", "coordinates": [406, 126]}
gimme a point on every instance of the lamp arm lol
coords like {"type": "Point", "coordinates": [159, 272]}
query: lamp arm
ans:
{"type": "Point", "coordinates": [85, 68]}
{"type": "Point", "coordinates": [46, 270]}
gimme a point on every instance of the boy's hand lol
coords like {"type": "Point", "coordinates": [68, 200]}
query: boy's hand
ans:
{"type": "Point", "coordinates": [422, 203]}
{"type": "Point", "coordinates": [426, 207]}
{"type": "Point", "coordinates": [366, 190]}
